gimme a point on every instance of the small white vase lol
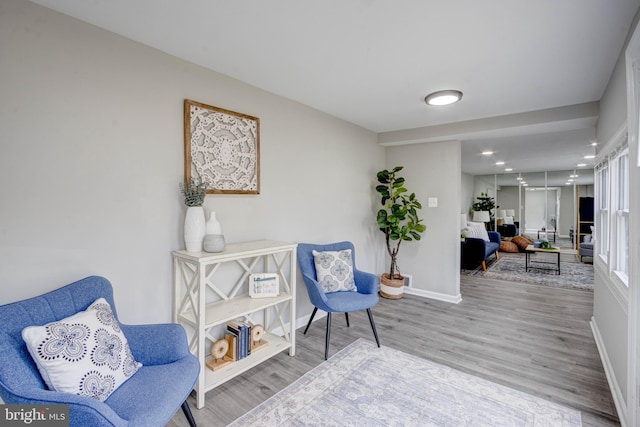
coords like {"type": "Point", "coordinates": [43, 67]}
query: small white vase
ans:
{"type": "Point", "coordinates": [213, 225]}
{"type": "Point", "coordinates": [194, 228]}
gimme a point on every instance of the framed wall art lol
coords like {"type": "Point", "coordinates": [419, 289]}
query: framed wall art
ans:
{"type": "Point", "coordinates": [263, 285]}
{"type": "Point", "coordinates": [221, 149]}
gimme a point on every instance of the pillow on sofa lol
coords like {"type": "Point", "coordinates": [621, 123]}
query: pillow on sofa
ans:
{"type": "Point", "coordinates": [506, 246]}
{"type": "Point", "coordinates": [477, 230]}
{"type": "Point", "coordinates": [334, 270]}
{"type": "Point", "coordinates": [521, 241]}
{"type": "Point", "coordinates": [85, 354]}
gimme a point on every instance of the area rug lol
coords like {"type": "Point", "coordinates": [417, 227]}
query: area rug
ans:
{"type": "Point", "coordinates": [510, 267]}
{"type": "Point", "coordinates": [363, 385]}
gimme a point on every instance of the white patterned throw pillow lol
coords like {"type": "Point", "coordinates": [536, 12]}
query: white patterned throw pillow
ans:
{"type": "Point", "coordinates": [334, 270]}
{"type": "Point", "coordinates": [477, 230]}
{"type": "Point", "coordinates": [85, 354]}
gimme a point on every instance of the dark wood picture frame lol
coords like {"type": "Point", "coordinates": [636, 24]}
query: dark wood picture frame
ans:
{"type": "Point", "coordinates": [222, 149]}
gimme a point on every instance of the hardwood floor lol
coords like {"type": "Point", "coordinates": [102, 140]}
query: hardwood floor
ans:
{"type": "Point", "coordinates": [532, 338]}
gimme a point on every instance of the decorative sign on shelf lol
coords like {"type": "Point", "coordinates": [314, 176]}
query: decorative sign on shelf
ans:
{"type": "Point", "coordinates": [221, 149]}
{"type": "Point", "coordinates": [262, 285]}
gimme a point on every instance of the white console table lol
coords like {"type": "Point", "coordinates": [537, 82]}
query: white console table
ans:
{"type": "Point", "coordinates": [205, 298]}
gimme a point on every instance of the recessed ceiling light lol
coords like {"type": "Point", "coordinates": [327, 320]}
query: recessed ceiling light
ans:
{"type": "Point", "coordinates": [590, 156]}
{"type": "Point", "coordinates": [443, 97]}
{"type": "Point", "coordinates": [499, 163]}
{"type": "Point", "coordinates": [519, 178]}
{"type": "Point", "coordinates": [523, 182]}
{"type": "Point", "coordinates": [593, 144]}
{"type": "Point", "coordinates": [525, 185]}
{"type": "Point", "coordinates": [487, 153]}
{"type": "Point", "coordinates": [508, 169]}
{"type": "Point", "coordinates": [573, 176]}
{"type": "Point", "coordinates": [567, 183]}
{"type": "Point", "coordinates": [581, 165]}
{"type": "Point", "coordinates": [571, 180]}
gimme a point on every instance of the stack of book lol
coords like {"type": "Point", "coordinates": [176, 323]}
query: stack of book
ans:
{"type": "Point", "coordinates": [238, 335]}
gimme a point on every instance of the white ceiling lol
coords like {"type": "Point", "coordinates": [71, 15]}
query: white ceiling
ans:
{"type": "Point", "coordinates": [371, 62]}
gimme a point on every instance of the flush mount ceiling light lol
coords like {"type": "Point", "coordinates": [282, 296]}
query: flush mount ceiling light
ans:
{"type": "Point", "coordinates": [487, 153]}
{"type": "Point", "coordinates": [443, 97]}
{"type": "Point", "coordinates": [499, 163]}
{"type": "Point", "coordinates": [508, 169]}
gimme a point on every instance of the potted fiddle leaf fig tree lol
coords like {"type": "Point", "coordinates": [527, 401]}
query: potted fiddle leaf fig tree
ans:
{"type": "Point", "coordinates": [398, 220]}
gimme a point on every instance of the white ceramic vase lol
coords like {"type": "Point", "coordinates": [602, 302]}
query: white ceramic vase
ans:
{"type": "Point", "coordinates": [194, 228]}
{"type": "Point", "coordinates": [213, 225]}
{"type": "Point", "coordinates": [213, 240]}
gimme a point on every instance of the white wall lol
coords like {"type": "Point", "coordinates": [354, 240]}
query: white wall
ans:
{"type": "Point", "coordinates": [91, 130]}
{"type": "Point", "coordinates": [433, 170]}
{"type": "Point", "coordinates": [610, 311]}
{"type": "Point", "coordinates": [466, 193]}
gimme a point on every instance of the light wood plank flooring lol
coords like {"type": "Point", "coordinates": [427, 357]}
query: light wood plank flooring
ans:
{"type": "Point", "coordinates": [532, 338]}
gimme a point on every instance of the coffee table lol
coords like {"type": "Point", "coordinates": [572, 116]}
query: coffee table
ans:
{"type": "Point", "coordinates": [531, 250]}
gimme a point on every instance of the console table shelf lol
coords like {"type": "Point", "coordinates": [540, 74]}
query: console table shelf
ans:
{"type": "Point", "coordinates": [205, 298]}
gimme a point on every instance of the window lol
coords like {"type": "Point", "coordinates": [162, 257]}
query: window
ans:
{"type": "Point", "coordinates": [602, 229]}
{"type": "Point", "coordinates": [620, 191]}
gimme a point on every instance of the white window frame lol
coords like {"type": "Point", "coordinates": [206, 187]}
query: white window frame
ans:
{"type": "Point", "coordinates": [620, 217]}
{"type": "Point", "coordinates": [603, 203]}
{"type": "Point", "coordinates": [617, 283]}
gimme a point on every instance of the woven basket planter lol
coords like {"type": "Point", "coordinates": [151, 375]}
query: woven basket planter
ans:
{"type": "Point", "coordinates": [391, 288]}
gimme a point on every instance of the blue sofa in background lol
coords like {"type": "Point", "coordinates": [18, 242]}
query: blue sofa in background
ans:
{"type": "Point", "coordinates": [475, 251]}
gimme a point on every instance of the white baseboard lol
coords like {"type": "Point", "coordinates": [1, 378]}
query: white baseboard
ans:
{"type": "Point", "coordinates": [616, 392]}
{"type": "Point", "coordinates": [454, 299]}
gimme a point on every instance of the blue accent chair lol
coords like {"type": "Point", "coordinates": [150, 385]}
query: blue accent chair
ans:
{"type": "Point", "coordinates": [475, 252]}
{"type": "Point", "coordinates": [342, 301]}
{"type": "Point", "coordinates": [149, 398]}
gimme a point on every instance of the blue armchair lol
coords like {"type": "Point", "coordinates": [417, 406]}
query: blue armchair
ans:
{"type": "Point", "coordinates": [341, 301]}
{"type": "Point", "coordinates": [475, 251]}
{"type": "Point", "coordinates": [149, 398]}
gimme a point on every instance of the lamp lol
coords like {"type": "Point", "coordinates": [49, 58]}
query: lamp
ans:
{"type": "Point", "coordinates": [443, 97]}
{"type": "Point", "coordinates": [481, 216]}
{"type": "Point", "coordinates": [511, 213]}
{"type": "Point", "coordinates": [502, 213]}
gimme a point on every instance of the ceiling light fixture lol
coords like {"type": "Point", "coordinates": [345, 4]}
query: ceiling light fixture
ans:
{"type": "Point", "coordinates": [487, 153]}
{"type": "Point", "coordinates": [519, 178]}
{"type": "Point", "coordinates": [590, 156]}
{"type": "Point", "coordinates": [581, 165]}
{"type": "Point", "coordinates": [508, 169]}
{"type": "Point", "coordinates": [443, 97]}
{"type": "Point", "coordinates": [499, 163]}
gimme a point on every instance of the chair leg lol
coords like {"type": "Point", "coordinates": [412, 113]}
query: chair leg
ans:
{"type": "Point", "coordinates": [347, 316]}
{"type": "Point", "coordinates": [310, 320]}
{"type": "Point", "coordinates": [373, 326]}
{"type": "Point", "coordinates": [326, 342]}
{"type": "Point", "coordinates": [484, 266]}
{"type": "Point", "coordinates": [188, 414]}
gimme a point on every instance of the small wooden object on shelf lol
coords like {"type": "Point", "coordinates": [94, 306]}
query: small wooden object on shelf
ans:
{"type": "Point", "coordinates": [219, 350]}
{"type": "Point", "coordinates": [256, 338]}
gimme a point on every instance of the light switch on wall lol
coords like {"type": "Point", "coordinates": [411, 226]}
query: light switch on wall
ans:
{"type": "Point", "coordinates": [433, 202]}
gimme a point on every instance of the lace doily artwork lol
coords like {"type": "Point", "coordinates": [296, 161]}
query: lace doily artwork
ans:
{"type": "Point", "coordinates": [222, 149]}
